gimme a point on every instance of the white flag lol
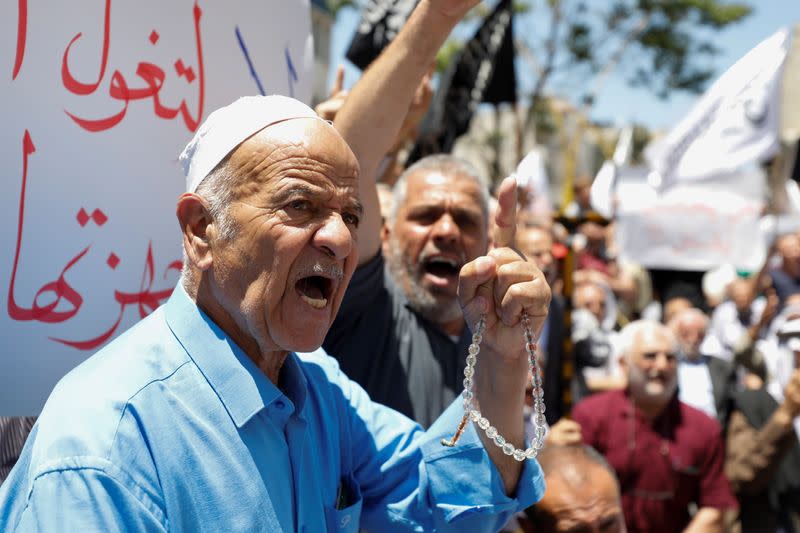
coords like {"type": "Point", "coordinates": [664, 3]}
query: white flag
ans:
{"type": "Point", "coordinates": [602, 192]}
{"type": "Point", "coordinates": [734, 123]}
{"type": "Point", "coordinates": [531, 175]}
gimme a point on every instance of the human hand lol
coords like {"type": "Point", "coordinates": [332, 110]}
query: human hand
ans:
{"type": "Point", "coordinates": [565, 432]}
{"type": "Point", "coordinates": [327, 110]}
{"type": "Point", "coordinates": [770, 309]}
{"type": "Point", "coordinates": [502, 285]}
{"type": "Point", "coordinates": [752, 381]}
{"type": "Point", "coordinates": [791, 395]}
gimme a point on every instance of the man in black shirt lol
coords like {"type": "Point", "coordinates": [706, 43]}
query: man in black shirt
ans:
{"type": "Point", "coordinates": [400, 332]}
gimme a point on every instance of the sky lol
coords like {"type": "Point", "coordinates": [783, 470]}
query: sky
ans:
{"type": "Point", "coordinates": [617, 103]}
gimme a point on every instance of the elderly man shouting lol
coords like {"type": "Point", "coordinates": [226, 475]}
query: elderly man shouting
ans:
{"type": "Point", "coordinates": [204, 417]}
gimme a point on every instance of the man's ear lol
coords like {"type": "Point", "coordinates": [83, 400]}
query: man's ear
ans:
{"type": "Point", "coordinates": [623, 364]}
{"type": "Point", "coordinates": [196, 221]}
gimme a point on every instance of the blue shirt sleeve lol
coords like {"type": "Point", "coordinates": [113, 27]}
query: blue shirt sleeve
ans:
{"type": "Point", "coordinates": [87, 499]}
{"type": "Point", "coordinates": [410, 482]}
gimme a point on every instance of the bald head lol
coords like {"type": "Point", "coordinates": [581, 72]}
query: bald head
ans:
{"type": "Point", "coordinates": [582, 493]}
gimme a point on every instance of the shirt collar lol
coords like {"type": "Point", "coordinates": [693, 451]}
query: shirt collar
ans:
{"type": "Point", "coordinates": [626, 407]}
{"type": "Point", "coordinates": [241, 386]}
{"type": "Point", "coordinates": [700, 360]}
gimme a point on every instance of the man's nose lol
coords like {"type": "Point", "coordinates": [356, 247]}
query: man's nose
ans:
{"type": "Point", "coordinates": [662, 361]}
{"type": "Point", "coordinates": [445, 230]}
{"type": "Point", "coordinates": [333, 237]}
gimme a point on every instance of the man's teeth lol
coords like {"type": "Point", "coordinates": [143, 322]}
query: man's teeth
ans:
{"type": "Point", "coordinates": [316, 303]}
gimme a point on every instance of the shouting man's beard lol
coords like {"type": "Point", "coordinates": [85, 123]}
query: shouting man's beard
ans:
{"type": "Point", "coordinates": [439, 311]}
{"type": "Point", "coordinates": [649, 384]}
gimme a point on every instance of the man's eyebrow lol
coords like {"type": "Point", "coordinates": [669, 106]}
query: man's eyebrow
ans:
{"type": "Point", "coordinates": [304, 188]}
{"type": "Point", "coordinates": [357, 206]}
{"type": "Point", "coordinates": [295, 188]}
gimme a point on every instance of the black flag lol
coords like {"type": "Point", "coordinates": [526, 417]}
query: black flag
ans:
{"type": "Point", "coordinates": [482, 72]}
{"type": "Point", "coordinates": [380, 22]}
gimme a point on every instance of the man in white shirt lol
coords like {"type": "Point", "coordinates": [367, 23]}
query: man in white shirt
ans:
{"type": "Point", "coordinates": [704, 382]}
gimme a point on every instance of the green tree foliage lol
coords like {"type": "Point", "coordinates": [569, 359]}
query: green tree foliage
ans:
{"type": "Point", "coordinates": [661, 45]}
{"type": "Point", "coordinates": [336, 5]}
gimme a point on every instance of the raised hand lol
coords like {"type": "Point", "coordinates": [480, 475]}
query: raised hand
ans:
{"type": "Point", "coordinates": [329, 108]}
{"type": "Point", "coordinates": [502, 284]}
{"type": "Point", "coordinates": [791, 395]}
{"type": "Point", "coordinates": [565, 432]}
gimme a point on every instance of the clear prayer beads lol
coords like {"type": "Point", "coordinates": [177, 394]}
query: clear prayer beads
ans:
{"type": "Point", "coordinates": [474, 414]}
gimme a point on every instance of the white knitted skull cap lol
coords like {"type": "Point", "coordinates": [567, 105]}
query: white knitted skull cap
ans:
{"type": "Point", "coordinates": [229, 126]}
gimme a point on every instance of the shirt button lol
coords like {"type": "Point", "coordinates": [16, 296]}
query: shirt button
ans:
{"type": "Point", "coordinates": [280, 404]}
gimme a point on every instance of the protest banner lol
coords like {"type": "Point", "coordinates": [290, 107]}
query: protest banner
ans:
{"type": "Point", "coordinates": [692, 226]}
{"type": "Point", "coordinates": [98, 100]}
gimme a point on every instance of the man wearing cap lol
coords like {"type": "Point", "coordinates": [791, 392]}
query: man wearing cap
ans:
{"type": "Point", "coordinates": [203, 417]}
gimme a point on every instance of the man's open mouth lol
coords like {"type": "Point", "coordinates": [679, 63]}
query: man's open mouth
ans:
{"type": "Point", "coordinates": [441, 267]}
{"type": "Point", "coordinates": [315, 290]}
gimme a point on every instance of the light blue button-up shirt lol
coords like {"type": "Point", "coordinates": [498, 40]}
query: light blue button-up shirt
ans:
{"type": "Point", "coordinates": [173, 427]}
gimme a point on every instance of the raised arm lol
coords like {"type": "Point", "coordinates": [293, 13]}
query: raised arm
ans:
{"type": "Point", "coordinates": [502, 286]}
{"type": "Point", "coordinates": [371, 117]}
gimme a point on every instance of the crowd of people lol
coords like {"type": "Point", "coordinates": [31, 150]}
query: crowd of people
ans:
{"type": "Point", "coordinates": [667, 409]}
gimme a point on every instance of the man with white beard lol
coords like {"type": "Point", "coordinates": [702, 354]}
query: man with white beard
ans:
{"type": "Point", "coordinates": [667, 454]}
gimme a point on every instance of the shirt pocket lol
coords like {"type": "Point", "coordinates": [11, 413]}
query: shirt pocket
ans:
{"type": "Point", "coordinates": [347, 519]}
{"type": "Point", "coordinates": [686, 480]}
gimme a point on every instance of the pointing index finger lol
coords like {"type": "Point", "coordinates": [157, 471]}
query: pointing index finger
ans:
{"type": "Point", "coordinates": [505, 218]}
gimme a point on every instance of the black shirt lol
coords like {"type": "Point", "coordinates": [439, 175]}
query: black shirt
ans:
{"type": "Point", "coordinates": [401, 359]}
{"type": "Point", "coordinates": [13, 433]}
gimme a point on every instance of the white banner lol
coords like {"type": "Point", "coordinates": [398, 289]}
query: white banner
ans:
{"type": "Point", "coordinates": [98, 99]}
{"type": "Point", "coordinates": [691, 226]}
{"type": "Point", "coordinates": [733, 124]}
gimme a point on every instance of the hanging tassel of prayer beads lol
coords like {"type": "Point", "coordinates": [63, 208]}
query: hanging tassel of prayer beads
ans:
{"type": "Point", "coordinates": [468, 396]}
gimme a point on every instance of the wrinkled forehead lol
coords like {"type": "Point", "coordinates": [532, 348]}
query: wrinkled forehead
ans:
{"type": "Point", "coordinates": [657, 340]}
{"type": "Point", "coordinates": [584, 496]}
{"type": "Point", "coordinates": [316, 138]}
{"type": "Point", "coordinates": [435, 184]}
{"type": "Point", "coordinates": [299, 149]}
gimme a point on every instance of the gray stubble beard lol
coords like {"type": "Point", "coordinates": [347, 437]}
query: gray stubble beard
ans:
{"type": "Point", "coordinates": [405, 273]}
